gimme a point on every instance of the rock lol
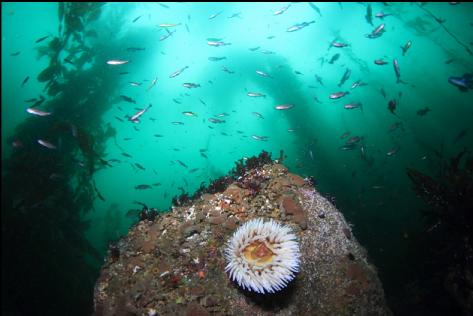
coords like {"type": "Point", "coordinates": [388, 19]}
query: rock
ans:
{"type": "Point", "coordinates": [290, 207]}
{"type": "Point", "coordinates": [186, 276]}
{"type": "Point", "coordinates": [296, 180]}
{"type": "Point", "coordinates": [196, 310]}
{"type": "Point", "coordinates": [191, 230]}
{"type": "Point", "coordinates": [216, 220]}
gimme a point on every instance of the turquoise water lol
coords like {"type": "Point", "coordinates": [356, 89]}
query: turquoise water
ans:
{"type": "Point", "coordinates": [368, 185]}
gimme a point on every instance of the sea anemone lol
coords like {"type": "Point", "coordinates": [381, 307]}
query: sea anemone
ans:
{"type": "Point", "coordinates": [262, 256]}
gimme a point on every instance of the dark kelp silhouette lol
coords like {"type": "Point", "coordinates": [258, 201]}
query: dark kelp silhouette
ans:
{"type": "Point", "coordinates": [449, 234]}
{"type": "Point", "coordinates": [48, 266]}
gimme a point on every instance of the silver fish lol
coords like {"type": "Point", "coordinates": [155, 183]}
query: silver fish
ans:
{"type": "Point", "coordinates": [190, 85]}
{"type": "Point", "coordinates": [256, 94]}
{"type": "Point", "coordinates": [117, 62]}
{"type": "Point", "coordinates": [262, 138]}
{"type": "Point", "coordinates": [284, 106]}
{"type": "Point", "coordinates": [135, 117]}
{"type": "Point", "coordinates": [262, 73]}
{"type": "Point", "coordinates": [338, 95]}
{"type": "Point", "coordinates": [282, 10]}
{"type": "Point", "coordinates": [345, 77]}
{"type": "Point", "coordinates": [178, 72]}
{"type": "Point", "coordinates": [37, 112]}
{"type": "Point", "coordinates": [217, 43]}
{"type": "Point", "coordinates": [353, 105]}
{"type": "Point", "coordinates": [46, 144]}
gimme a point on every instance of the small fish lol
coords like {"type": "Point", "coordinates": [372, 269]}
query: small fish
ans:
{"type": "Point", "coordinates": [334, 58]}
{"type": "Point", "coordinates": [262, 138]}
{"type": "Point", "coordinates": [227, 70]}
{"type": "Point", "coordinates": [202, 101]}
{"type": "Point", "coordinates": [258, 115]}
{"type": "Point", "coordinates": [37, 112]}
{"type": "Point", "coordinates": [17, 143]}
{"type": "Point", "coordinates": [169, 24]}
{"type": "Point", "coordinates": [181, 163]}
{"type": "Point", "coordinates": [221, 115]}
{"type": "Point", "coordinates": [345, 77]}
{"type": "Point", "coordinates": [203, 155]}
{"type": "Point", "coordinates": [338, 44]}
{"type": "Point", "coordinates": [163, 5]}
{"type": "Point", "coordinates": [158, 135]}
{"type": "Point", "coordinates": [348, 147]}
{"type": "Point", "coordinates": [41, 39]}
{"type": "Point", "coordinates": [319, 79]}
{"type": "Point", "coordinates": [423, 111]}
{"type": "Point", "coordinates": [234, 15]}
{"type": "Point", "coordinates": [397, 71]}
{"type": "Point", "coordinates": [157, 184]}
{"type": "Point", "coordinates": [380, 62]}
{"type": "Point", "coordinates": [381, 15]}
{"type": "Point", "coordinates": [46, 144]}
{"type": "Point", "coordinates": [136, 19]}
{"type": "Point", "coordinates": [270, 37]}
{"type": "Point", "coordinates": [345, 135]}
{"type": "Point", "coordinates": [176, 101]}
{"type": "Point", "coordinates": [121, 120]}
{"type": "Point", "coordinates": [177, 123]}
{"type": "Point", "coordinates": [217, 43]}
{"type": "Point", "coordinates": [163, 37]}
{"type": "Point", "coordinates": [124, 73]}
{"type": "Point", "coordinates": [127, 99]}
{"type": "Point", "coordinates": [135, 117]}
{"type": "Point", "coordinates": [215, 121]}
{"type": "Point", "coordinates": [193, 170]}
{"type": "Point", "coordinates": [117, 62]}
{"type": "Point", "coordinates": [298, 72]}
{"type": "Point", "coordinates": [213, 16]}
{"type": "Point", "coordinates": [392, 106]}
{"type": "Point", "coordinates": [178, 72]}
{"type": "Point", "coordinates": [262, 73]}
{"type": "Point", "coordinates": [134, 84]}
{"type": "Point", "coordinates": [353, 140]}
{"type": "Point", "coordinates": [377, 32]}
{"type": "Point", "coordinates": [338, 95]}
{"type": "Point", "coordinates": [188, 113]}
{"type": "Point", "coordinates": [127, 155]}
{"type": "Point", "coordinates": [463, 83]}
{"type": "Point", "coordinates": [256, 94]}
{"type": "Point", "coordinates": [393, 151]}
{"type": "Point", "coordinates": [139, 166]}
{"type": "Point", "coordinates": [369, 15]}
{"type": "Point", "coordinates": [313, 6]}
{"type": "Point", "coordinates": [299, 26]}
{"type": "Point", "coordinates": [25, 81]}
{"type": "Point", "coordinates": [357, 84]}
{"type": "Point", "coordinates": [254, 48]}
{"type": "Point", "coordinates": [353, 105]}
{"type": "Point", "coordinates": [284, 106]}
{"type": "Point", "coordinates": [216, 58]}
{"type": "Point", "coordinates": [153, 83]}
{"type": "Point", "coordinates": [190, 85]}
{"type": "Point", "coordinates": [143, 187]}
{"type": "Point", "coordinates": [405, 47]}
{"type": "Point", "coordinates": [282, 10]}
{"type": "Point", "coordinates": [15, 54]}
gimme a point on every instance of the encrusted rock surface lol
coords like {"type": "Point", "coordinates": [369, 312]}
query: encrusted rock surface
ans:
{"type": "Point", "coordinates": [175, 265]}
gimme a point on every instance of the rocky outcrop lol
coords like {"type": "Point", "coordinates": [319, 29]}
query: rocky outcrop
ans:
{"type": "Point", "coordinates": [175, 264]}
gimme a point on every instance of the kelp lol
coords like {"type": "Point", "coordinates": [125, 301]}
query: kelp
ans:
{"type": "Point", "coordinates": [48, 266]}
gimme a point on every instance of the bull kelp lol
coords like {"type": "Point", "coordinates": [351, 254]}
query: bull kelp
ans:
{"type": "Point", "coordinates": [115, 113]}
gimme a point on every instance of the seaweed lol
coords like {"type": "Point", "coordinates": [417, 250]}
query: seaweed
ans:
{"type": "Point", "coordinates": [46, 193]}
{"type": "Point", "coordinates": [448, 239]}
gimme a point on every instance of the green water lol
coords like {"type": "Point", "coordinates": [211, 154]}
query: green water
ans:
{"type": "Point", "coordinates": [375, 196]}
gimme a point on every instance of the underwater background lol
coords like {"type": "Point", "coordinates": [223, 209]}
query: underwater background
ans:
{"type": "Point", "coordinates": [107, 107]}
